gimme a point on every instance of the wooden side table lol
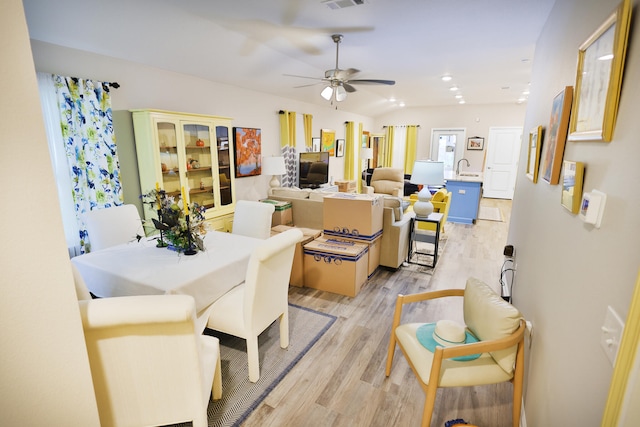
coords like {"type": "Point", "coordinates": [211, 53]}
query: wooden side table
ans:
{"type": "Point", "coordinates": [416, 236]}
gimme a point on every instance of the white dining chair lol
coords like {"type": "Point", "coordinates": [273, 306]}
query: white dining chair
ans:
{"type": "Point", "coordinates": [253, 219]}
{"type": "Point", "coordinates": [148, 363]}
{"type": "Point", "coordinates": [113, 226]}
{"type": "Point", "coordinates": [249, 308]}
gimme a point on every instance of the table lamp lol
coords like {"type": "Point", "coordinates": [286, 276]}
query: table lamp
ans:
{"type": "Point", "coordinates": [426, 173]}
{"type": "Point", "coordinates": [273, 166]}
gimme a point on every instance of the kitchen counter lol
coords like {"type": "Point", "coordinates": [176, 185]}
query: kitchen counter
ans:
{"type": "Point", "coordinates": [466, 191]}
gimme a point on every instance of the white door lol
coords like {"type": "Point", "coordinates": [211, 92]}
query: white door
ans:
{"type": "Point", "coordinates": [447, 145]}
{"type": "Point", "coordinates": [503, 151]}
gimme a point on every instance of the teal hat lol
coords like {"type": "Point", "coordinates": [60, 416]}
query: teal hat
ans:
{"type": "Point", "coordinates": [446, 333]}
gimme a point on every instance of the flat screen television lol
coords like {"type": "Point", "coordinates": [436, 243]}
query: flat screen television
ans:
{"type": "Point", "coordinates": [313, 169]}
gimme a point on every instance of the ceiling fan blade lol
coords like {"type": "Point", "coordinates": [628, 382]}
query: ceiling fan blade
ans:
{"type": "Point", "coordinates": [304, 77]}
{"type": "Point", "coordinates": [345, 74]}
{"type": "Point", "coordinates": [372, 82]}
{"type": "Point", "coordinates": [310, 84]}
{"type": "Point", "coordinates": [348, 87]}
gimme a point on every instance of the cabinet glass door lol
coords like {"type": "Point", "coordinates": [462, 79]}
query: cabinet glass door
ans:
{"type": "Point", "coordinates": [224, 165]}
{"type": "Point", "coordinates": [168, 146]}
{"type": "Point", "coordinates": [198, 164]}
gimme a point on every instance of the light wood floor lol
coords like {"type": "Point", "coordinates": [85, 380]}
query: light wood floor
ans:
{"type": "Point", "coordinates": [341, 381]}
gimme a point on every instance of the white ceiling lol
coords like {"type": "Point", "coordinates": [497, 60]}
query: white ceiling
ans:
{"type": "Point", "coordinates": [486, 45]}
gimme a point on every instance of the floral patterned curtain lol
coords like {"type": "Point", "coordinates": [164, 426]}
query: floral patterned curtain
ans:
{"type": "Point", "coordinates": [89, 142]}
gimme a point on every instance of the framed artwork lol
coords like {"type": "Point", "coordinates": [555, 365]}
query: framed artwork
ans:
{"type": "Point", "coordinates": [572, 177]}
{"type": "Point", "coordinates": [340, 148]}
{"type": "Point", "coordinates": [328, 140]}
{"type": "Point", "coordinates": [599, 78]}
{"type": "Point", "coordinates": [475, 143]}
{"type": "Point", "coordinates": [553, 147]}
{"type": "Point", "coordinates": [315, 144]}
{"type": "Point", "coordinates": [248, 149]}
{"type": "Point", "coordinates": [533, 159]}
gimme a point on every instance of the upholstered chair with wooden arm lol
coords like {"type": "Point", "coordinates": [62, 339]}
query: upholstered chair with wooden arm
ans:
{"type": "Point", "coordinates": [389, 181]}
{"type": "Point", "coordinates": [497, 356]}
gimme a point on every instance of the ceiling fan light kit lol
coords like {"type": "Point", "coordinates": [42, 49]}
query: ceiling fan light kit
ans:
{"type": "Point", "coordinates": [339, 82]}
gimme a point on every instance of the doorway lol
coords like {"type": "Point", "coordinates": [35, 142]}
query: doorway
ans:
{"type": "Point", "coordinates": [447, 145]}
{"type": "Point", "coordinates": [501, 167]}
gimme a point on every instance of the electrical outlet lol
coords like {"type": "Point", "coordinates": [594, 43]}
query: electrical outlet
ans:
{"type": "Point", "coordinates": [611, 334]}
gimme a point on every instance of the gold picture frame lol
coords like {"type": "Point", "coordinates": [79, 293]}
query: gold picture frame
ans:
{"type": "Point", "coordinates": [599, 78]}
{"type": "Point", "coordinates": [533, 159]}
{"type": "Point", "coordinates": [572, 178]}
{"type": "Point", "coordinates": [553, 148]}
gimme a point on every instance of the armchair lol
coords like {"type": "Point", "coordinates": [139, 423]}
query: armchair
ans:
{"type": "Point", "coordinates": [394, 244]}
{"type": "Point", "coordinates": [441, 202]}
{"type": "Point", "coordinates": [497, 325]}
{"type": "Point", "coordinates": [388, 181]}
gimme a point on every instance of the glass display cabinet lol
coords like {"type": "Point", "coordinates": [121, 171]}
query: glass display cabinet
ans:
{"type": "Point", "coordinates": [189, 151]}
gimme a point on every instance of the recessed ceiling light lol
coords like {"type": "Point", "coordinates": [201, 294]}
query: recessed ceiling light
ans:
{"type": "Point", "coordinates": [522, 99]}
{"type": "Point", "coordinates": [392, 100]}
{"type": "Point", "coordinates": [446, 78]}
{"type": "Point", "coordinates": [453, 88]}
{"type": "Point", "coordinates": [526, 92]}
{"type": "Point", "coordinates": [401, 104]}
{"type": "Point", "coordinates": [458, 96]}
{"type": "Point", "coordinates": [462, 101]}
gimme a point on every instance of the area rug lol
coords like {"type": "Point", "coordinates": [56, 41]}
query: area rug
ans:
{"type": "Point", "coordinates": [239, 396]}
{"type": "Point", "coordinates": [490, 213]}
{"type": "Point", "coordinates": [418, 260]}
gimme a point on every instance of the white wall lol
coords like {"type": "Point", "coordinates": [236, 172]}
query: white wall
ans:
{"type": "Point", "coordinates": [475, 119]}
{"type": "Point", "coordinates": [44, 369]}
{"type": "Point", "coordinates": [568, 272]}
{"type": "Point", "coordinates": [146, 87]}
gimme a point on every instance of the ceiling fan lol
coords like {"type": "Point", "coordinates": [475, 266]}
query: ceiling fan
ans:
{"type": "Point", "coordinates": [340, 82]}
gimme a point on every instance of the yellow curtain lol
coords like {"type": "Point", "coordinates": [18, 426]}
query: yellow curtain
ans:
{"type": "Point", "coordinates": [292, 128]}
{"type": "Point", "coordinates": [308, 130]}
{"type": "Point", "coordinates": [410, 148]}
{"type": "Point", "coordinates": [385, 152]}
{"type": "Point", "coordinates": [349, 152]}
{"type": "Point", "coordinates": [284, 128]}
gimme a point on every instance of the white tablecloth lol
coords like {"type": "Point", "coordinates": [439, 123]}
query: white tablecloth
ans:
{"type": "Point", "coordinates": [140, 268]}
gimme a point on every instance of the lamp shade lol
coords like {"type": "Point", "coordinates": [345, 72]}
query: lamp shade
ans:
{"type": "Point", "coordinates": [366, 153]}
{"type": "Point", "coordinates": [327, 93]}
{"type": "Point", "coordinates": [426, 172]}
{"type": "Point", "coordinates": [273, 166]}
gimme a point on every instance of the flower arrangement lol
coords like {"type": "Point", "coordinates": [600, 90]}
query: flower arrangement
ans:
{"type": "Point", "coordinates": [181, 227]}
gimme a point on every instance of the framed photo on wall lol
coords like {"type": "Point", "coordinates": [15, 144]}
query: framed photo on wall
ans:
{"type": "Point", "coordinates": [533, 158]}
{"type": "Point", "coordinates": [572, 178]}
{"type": "Point", "coordinates": [248, 148]}
{"type": "Point", "coordinates": [599, 78]}
{"type": "Point", "coordinates": [340, 148]}
{"type": "Point", "coordinates": [315, 144]}
{"type": "Point", "coordinates": [475, 143]}
{"type": "Point", "coordinates": [553, 148]}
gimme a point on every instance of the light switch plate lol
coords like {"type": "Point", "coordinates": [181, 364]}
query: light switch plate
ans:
{"type": "Point", "coordinates": [611, 334]}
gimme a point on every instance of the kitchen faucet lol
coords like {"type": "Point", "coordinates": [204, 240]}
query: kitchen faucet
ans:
{"type": "Point", "coordinates": [458, 166]}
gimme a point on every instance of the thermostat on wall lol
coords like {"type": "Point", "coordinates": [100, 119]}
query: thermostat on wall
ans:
{"type": "Point", "coordinates": [592, 207]}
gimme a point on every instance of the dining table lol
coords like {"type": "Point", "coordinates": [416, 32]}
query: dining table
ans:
{"type": "Point", "coordinates": [142, 268]}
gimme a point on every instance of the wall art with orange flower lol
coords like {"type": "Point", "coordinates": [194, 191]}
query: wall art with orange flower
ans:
{"type": "Point", "coordinates": [248, 149]}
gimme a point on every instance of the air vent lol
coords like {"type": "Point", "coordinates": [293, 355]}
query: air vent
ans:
{"type": "Point", "coordinates": [341, 4]}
